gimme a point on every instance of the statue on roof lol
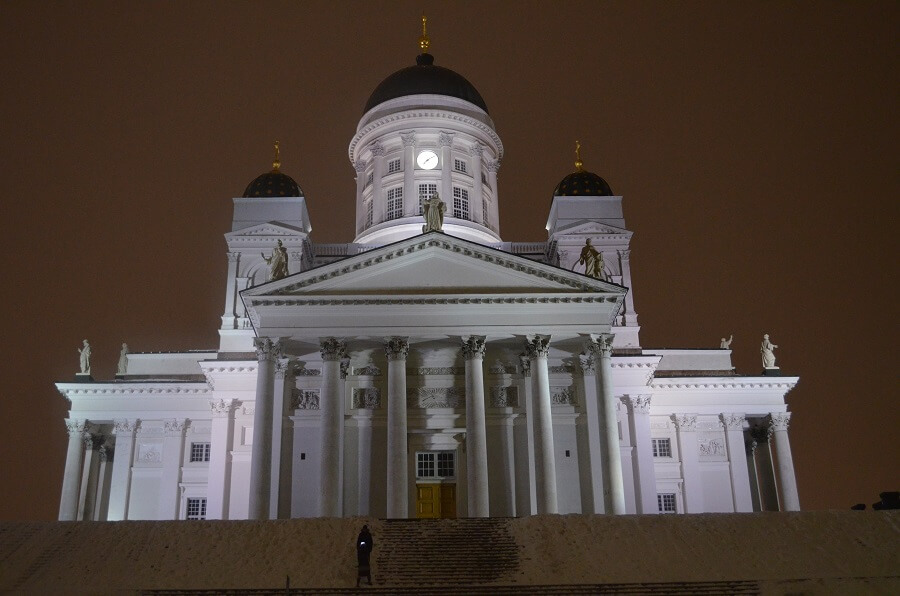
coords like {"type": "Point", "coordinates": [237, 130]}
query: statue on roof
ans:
{"type": "Point", "coordinates": [725, 344]}
{"type": "Point", "coordinates": [278, 262]}
{"type": "Point", "coordinates": [123, 360]}
{"type": "Point", "coordinates": [592, 260]}
{"type": "Point", "coordinates": [433, 209]}
{"type": "Point", "coordinates": [767, 349]}
{"type": "Point", "coordinates": [85, 358]}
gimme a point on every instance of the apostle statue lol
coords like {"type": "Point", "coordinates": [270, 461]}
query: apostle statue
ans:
{"type": "Point", "coordinates": [592, 261]}
{"type": "Point", "coordinates": [123, 360]}
{"type": "Point", "coordinates": [767, 349]}
{"type": "Point", "coordinates": [726, 344]}
{"type": "Point", "coordinates": [85, 358]}
{"type": "Point", "coordinates": [434, 214]}
{"type": "Point", "coordinates": [278, 262]}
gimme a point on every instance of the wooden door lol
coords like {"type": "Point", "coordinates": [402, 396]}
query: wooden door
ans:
{"type": "Point", "coordinates": [448, 501]}
{"type": "Point", "coordinates": [428, 501]}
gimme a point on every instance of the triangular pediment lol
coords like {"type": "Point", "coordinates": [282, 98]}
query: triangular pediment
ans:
{"type": "Point", "coordinates": [265, 230]}
{"type": "Point", "coordinates": [591, 228]}
{"type": "Point", "coordinates": [433, 264]}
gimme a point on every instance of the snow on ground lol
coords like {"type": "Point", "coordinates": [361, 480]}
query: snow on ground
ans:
{"type": "Point", "coordinates": [109, 557]}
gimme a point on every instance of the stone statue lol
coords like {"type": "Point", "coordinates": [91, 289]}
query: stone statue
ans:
{"type": "Point", "coordinates": [726, 344]}
{"type": "Point", "coordinates": [434, 214]}
{"type": "Point", "coordinates": [278, 262]}
{"type": "Point", "coordinates": [592, 261]}
{"type": "Point", "coordinates": [85, 360]}
{"type": "Point", "coordinates": [123, 360]}
{"type": "Point", "coordinates": [767, 349]}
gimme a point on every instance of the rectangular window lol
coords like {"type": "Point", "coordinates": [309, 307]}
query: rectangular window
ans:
{"type": "Point", "coordinates": [666, 502]}
{"type": "Point", "coordinates": [369, 213]}
{"type": "Point", "coordinates": [662, 447]}
{"type": "Point", "coordinates": [394, 203]}
{"type": "Point", "coordinates": [425, 465]}
{"type": "Point", "coordinates": [426, 191]}
{"type": "Point", "coordinates": [445, 464]}
{"type": "Point", "coordinates": [196, 509]}
{"type": "Point", "coordinates": [459, 165]}
{"type": "Point", "coordinates": [370, 179]}
{"type": "Point", "coordinates": [460, 203]}
{"type": "Point", "coordinates": [485, 210]}
{"type": "Point", "coordinates": [393, 166]}
{"type": "Point", "coordinates": [199, 452]}
{"type": "Point", "coordinates": [435, 464]}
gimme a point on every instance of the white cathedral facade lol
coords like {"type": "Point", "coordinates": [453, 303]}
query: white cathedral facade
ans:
{"type": "Point", "coordinates": [436, 373]}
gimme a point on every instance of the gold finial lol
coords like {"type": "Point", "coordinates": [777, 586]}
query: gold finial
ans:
{"type": "Point", "coordinates": [579, 165]}
{"type": "Point", "coordinates": [424, 42]}
{"type": "Point", "coordinates": [276, 164]}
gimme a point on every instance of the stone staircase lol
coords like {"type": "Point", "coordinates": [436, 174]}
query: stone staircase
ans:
{"type": "Point", "coordinates": [445, 552]}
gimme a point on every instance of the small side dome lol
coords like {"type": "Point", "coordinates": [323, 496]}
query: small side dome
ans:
{"type": "Point", "coordinates": [582, 183]}
{"type": "Point", "coordinates": [274, 183]}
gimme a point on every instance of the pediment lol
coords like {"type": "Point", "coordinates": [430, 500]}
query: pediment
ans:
{"type": "Point", "coordinates": [268, 230]}
{"type": "Point", "coordinates": [433, 264]}
{"type": "Point", "coordinates": [591, 228]}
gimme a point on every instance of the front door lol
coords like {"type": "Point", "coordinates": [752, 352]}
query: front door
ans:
{"type": "Point", "coordinates": [435, 500]}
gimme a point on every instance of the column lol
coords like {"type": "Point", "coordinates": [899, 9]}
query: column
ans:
{"type": "Point", "coordinates": [493, 166]}
{"type": "Point", "coordinates": [538, 347]}
{"type": "Point", "coordinates": [101, 498]}
{"type": "Point", "coordinates": [445, 140]}
{"type": "Point", "coordinates": [360, 167]}
{"type": "Point", "coordinates": [784, 464]}
{"type": "Point", "coordinates": [68, 501]}
{"type": "Point", "coordinates": [173, 457]}
{"type": "Point", "coordinates": [280, 484]}
{"type": "Point", "coordinates": [689, 452]}
{"type": "Point", "coordinates": [267, 352]}
{"type": "Point", "coordinates": [601, 346]}
{"type": "Point", "coordinates": [120, 490]}
{"type": "Point", "coordinates": [378, 205]}
{"type": "Point", "coordinates": [476, 433]}
{"type": "Point", "coordinates": [644, 468]}
{"type": "Point", "coordinates": [220, 444]}
{"type": "Point", "coordinates": [625, 264]}
{"type": "Point", "coordinates": [88, 494]}
{"type": "Point", "coordinates": [363, 420]}
{"type": "Point", "coordinates": [477, 206]}
{"type": "Point", "coordinates": [737, 461]}
{"type": "Point", "coordinates": [764, 465]}
{"type": "Point", "coordinates": [332, 436]}
{"type": "Point", "coordinates": [410, 196]}
{"type": "Point", "coordinates": [228, 318]}
{"type": "Point", "coordinates": [526, 490]}
{"type": "Point", "coordinates": [396, 350]}
{"type": "Point", "coordinates": [593, 415]}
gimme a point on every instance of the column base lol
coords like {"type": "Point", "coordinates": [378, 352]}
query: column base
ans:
{"type": "Point", "coordinates": [84, 378]}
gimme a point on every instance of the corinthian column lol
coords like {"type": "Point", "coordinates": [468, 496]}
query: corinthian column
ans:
{"type": "Point", "coordinates": [360, 167]}
{"type": "Point", "coordinates": [601, 347]}
{"type": "Point", "coordinates": [378, 204]}
{"type": "Point", "coordinates": [410, 196]}
{"type": "Point", "coordinates": [120, 487]}
{"type": "Point", "coordinates": [396, 349]}
{"type": "Point", "coordinates": [538, 347]}
{"type": "Point", "coordinates": [173, 457]}
{"type": "Point", "coordinates": [787, 483]}
{"type": "Point", "coordinates": [331, 409]}
{"type": "Point", "coordinates": [476, 435]}
{"type": "Point", "coordinates": [267, 352]}
{"type": "Point", "coordinates": [68, 501]}
{"type": "Point", "coordinates": [445, 140]}
{"type": "Point", "coordinates": [689, 451]}
{"type": "Point", "coordinates": [737, 462]}
{"type": "Point", "coordinates": [644, 469]}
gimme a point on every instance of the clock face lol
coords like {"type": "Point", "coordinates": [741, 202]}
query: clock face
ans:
{"type": "Point", "coordinates": [427, 159]}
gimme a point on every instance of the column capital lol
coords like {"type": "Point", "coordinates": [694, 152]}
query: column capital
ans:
{"type": "Point", "coordinates": [537, 346]}
{"type": "Point", "coordinates": [525, 365]}
{"type": "Point", "coordinates": [732, 421]}
{"type": "Point", "coordinates": [345, 367]}
{"type": "Point", "coordinates": [588, 364]}
{"type": "Point", "coordinates": [473, 347]}
{"type": "Point", "coordinates": [360, 166]}
{"type": "Point", "coordinates": [267, 349]}
{"type": "Point", "coordinates": [493, 165]}
{"type": "Point", "coordinates": [284, 367]}
{"type": "Point", "coordinates": [174, 426]}
{"type": "Point", "coordinates": [685, 422]}
{"type": "Point", "coordinates": [104, 452]}
{"type": "Point", "coordinates": [332, 349]}
{"type": "Point", "coordinates": [124, 426]}
{"type": "Point", "coordinates": [234, 257]}
{"type": "Point", "coordinates": [396, 348]}
{"type": "Point", "coordinates": [640, 404]}
{"type": "Point", "coordinates": [625, 254]}
{"type": "Point", "coordinates": [477, 149]}
{"type": "Point", "coordinates": [92, 440]}
{"type": "Point", "coordinates": [221, 407]}
{"type": "Point", "coordinates": [445, 139]}
{"type": "Point", "coordinates": [601, 344]}
{"type": "Point", "coordinates": [408, 138]}
{"type": "Point", "coordinates": [779, 421]}
{"type": "Point", "coordinates": [377, 149]}
{"type": "Point", "coordinates": [75, 426]}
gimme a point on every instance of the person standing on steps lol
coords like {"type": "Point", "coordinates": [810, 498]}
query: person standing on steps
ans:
{"type": "Point", "coordinates": [364, 545]}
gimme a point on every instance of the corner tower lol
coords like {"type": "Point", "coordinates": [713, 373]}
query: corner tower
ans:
{"type": "Point", "coordinates": [425, 130]}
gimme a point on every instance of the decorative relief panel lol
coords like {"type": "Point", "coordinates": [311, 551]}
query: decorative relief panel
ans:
{"type": "Point", "coordinates": [435, 397]}
{"type": "Point", "coordinates": [369, 370]}
{"type": "Point", "coordinates": [304, 399]}
{"type": "Point", "coordinates": [301, 371]}
{"type": "Point", "coordinates": [440, 370]}
{"type": "Point", "coordinates": [562, 395]}
{"type": "Point", "coordinates": [366, 398]}
{"type": "Point", "coordinates": [498, 368]}
{"type": "Point", "coordinates": [505, 397]}
{"type": "Point", "coordinates": [712, 445]}
{"type": "Point", "coordinates": [149, 453]}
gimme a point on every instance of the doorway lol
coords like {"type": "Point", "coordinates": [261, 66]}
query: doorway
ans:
{"type": "Point", "coordinates": [435, 484]}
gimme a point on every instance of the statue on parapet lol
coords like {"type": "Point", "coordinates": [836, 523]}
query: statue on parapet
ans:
{"type": "Point", "coordinates": [123, 360]}
{"type": "Point", "coordinates": [85, 358]}
{"type": "Point", "coordinates": [726, 344]}
{"type": "Point", "coordinates": [278, 262]}
{"type": "Point", "coordinates": [433, 209]}
{"type": "Point", "coordinates": [767, 349]}
{"type": "Point", "coordinates": [592, 260]}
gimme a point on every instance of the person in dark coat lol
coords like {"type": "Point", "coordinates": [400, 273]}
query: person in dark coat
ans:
{"type": "Point", "coordinates": [364, 545]}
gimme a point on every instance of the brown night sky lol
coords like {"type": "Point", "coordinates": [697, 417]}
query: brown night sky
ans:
{"type": "Point", "coordinates": [755, 145]}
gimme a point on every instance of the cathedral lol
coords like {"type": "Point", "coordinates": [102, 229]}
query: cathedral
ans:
{"type": "Point", "coordinates": [430, 368]}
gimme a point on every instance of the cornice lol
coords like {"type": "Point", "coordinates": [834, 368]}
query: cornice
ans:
{"type": "Point", "coordinates": [393, 300]}
{"type": "Point", "coordinates": [681, 385]}
{"type": "Point", "coordinates": [119, 390]}
{"type": "Point", "coordinates": [411, 114]}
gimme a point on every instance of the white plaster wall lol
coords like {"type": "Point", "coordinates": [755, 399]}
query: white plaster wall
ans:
{"type": "Point", "coordinates": [568, 483]}
{"type": "Point", "coordinates": [717, 497]}
{"type": "Point", "coordinates": [307, 462]}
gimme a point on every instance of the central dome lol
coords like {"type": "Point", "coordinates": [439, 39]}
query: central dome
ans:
{"type": "Point", "coordinates": [425, 79]}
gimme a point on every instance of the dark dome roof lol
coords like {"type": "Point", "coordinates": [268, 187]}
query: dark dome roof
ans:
{"type": "Point", "coordinates": [425, 78]}
{"type": "Point", "coordinates": [273, 184]}
{"type": "Point", "coordinates": [579, 184]}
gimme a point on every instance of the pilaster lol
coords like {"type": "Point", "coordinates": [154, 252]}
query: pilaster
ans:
{"type": "Point", "coordinates": [644, 468]}
{"type": "Point", "coordinates": [173, 457]}
{"type": "Point", "coordinates": [120, 488]}
{"type": "Point", "coordinates": [410, 196]}
{"type": "Point", "coordinates": [445, 140]}
{"type": "Point", "coordinates": [221, 439]}
{"type": "Point", "coordinates": [689, 451]}
{"type": "Point", "coordinates": [477, 207]}
{"type": "Point", "coordinates": [737, 461]}
{"type": "Point", "coordinates": [378, 204]}
{"type": "Point", "coordinates": [493, 166]}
